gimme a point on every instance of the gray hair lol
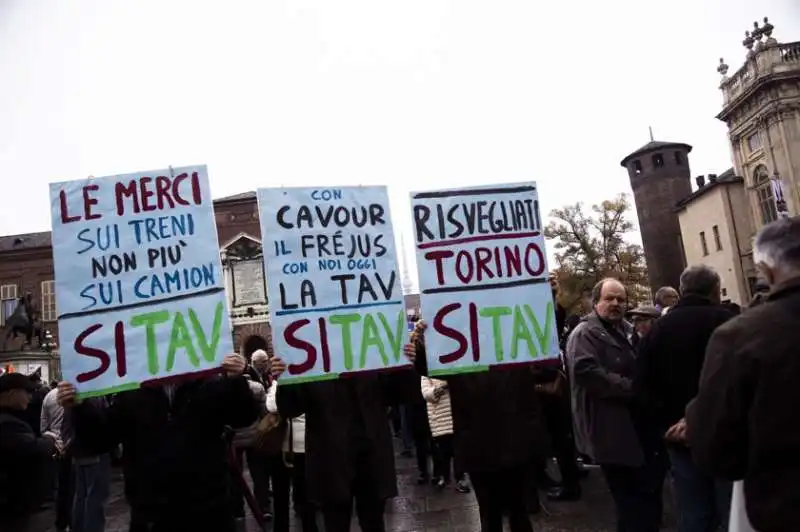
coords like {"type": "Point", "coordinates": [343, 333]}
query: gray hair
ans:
{"type": "Point", "coordinates": [700, 280]}
{"type": "Point", "coordinates": [778, 245]}
{"type": "Point", "coordinates": [258, 355]}
{"type": "Point", "coordinates": [663, 292]}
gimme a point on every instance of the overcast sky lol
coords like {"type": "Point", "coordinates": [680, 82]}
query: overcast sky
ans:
{"type": "Point", "coordinates": [415, 94]}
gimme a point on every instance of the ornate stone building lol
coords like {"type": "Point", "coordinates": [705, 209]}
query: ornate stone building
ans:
{"type": "Point", "coordinates": [761, 107]}
{"type": "Point", "coordinates": [660, 177]}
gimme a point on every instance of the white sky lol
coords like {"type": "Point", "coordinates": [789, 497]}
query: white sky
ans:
{"type": "Point", "coordinates": [415, 94]}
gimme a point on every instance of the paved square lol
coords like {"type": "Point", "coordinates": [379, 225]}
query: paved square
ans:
{"type": "Point", "coordinates": [425, 509]}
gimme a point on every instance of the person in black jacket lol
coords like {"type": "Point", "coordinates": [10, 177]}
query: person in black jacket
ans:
{"type": "Point", "coordinates": [174, 451]}
{"type": "Point", "coordinates": [24, 459]}
{"type": "Point", "coordinates": [349, 451]}
{"type": "Point", "coordinates": [499, 435]}
{"type": "Point", "coordinates": [670, 360]}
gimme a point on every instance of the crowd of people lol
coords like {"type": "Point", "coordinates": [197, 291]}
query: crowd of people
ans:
{"type": "Point", "coordinates": [683, 392]}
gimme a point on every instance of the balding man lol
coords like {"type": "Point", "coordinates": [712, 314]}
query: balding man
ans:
{"type": "Point", "coordinates": [609, 426]}
{"type": "Point", "coordinates": [743, 422]}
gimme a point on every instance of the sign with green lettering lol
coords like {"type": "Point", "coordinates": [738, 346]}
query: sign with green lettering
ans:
{"type": "Point", "coordinates": [139, 286]}
{"type": "Point", "coordinates": [483, 278]}
{"type": "Point", "coordinates": [335, 297]}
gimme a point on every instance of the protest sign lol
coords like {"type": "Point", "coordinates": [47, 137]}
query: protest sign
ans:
{"type": "Point", "coordinates": [140, 293]}
{"type": "Point", "coordinates": [335, 297]}
{"type": "Point", "coordinates": [483, 278]}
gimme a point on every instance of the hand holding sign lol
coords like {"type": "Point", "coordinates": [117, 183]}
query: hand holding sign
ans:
{"type": "Point", "coordinates": [67, 394]}
{"type": "Point", "coordinates": [277, 367]}
{"type": "Point", "coordinates": [410, 351]}
{"type": "Point", "coordinates": [233, 365]}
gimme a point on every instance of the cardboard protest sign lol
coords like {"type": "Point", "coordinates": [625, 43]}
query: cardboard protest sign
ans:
{"type": "Point", "coordinates": [335, 297]}
{"type": "Point", "coordinates": [483, 278]}
{"type": "Point", "coordinates": [140, 292]}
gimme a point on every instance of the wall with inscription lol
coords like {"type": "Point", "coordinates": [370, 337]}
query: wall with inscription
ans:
{"type": "Point", "coordinates": [248, 282]}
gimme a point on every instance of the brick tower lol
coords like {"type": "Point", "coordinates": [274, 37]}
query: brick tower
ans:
{"type": "Point", "coordinates": [660, 177]}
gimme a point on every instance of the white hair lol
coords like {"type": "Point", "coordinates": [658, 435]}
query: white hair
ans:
{"type": "Point", "coordinates": [259, 354]}
{"type": "Point", "coordinates": [777, 245]}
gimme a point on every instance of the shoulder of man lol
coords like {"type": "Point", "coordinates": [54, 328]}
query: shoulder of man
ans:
{"type": "Point", "coordinates": [732, 326]}
{"type": "Point", "coordinates": [582, 332]}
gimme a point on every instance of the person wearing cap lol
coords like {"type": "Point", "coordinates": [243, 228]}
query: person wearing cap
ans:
{"type": "Point", "coordinates": [24, 459]}
{"type": "Point", "coordinates": [642, 318]}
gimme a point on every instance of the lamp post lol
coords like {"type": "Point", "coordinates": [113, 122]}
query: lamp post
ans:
{"type": "Point", "coordinates": [49, 345]}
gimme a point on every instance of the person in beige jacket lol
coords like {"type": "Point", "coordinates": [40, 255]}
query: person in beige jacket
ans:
{"type": "Point", "coordinates": [440, 418]}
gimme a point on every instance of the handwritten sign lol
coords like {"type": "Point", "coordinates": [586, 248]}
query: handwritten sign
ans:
{"type": "Point", "coordinates": [139, 285]}
{"type": "Point", "coordinates": [334, 291]}
{"type": "Point", "coordinates": [483, 278]}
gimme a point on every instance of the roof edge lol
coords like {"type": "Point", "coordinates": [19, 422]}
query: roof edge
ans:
{"type": "Point", "coordinates": [727, 180]}
{"type": "Point", "coordinates": [647, 148]}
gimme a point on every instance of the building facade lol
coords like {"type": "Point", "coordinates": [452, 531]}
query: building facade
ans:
{"type": "Point", "coordinates": [761, 107]}
{"type": "Point", "coordinates": [26, 268]}
{"type": "Point", "coordinates": [660, 177]}
{"type": "Point", "coordinates": [716, 231]}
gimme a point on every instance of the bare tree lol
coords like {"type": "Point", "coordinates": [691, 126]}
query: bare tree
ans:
{"type": "Point", "coordinates": [591, 246]}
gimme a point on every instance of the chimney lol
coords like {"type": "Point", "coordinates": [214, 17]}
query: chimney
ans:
{"type": "Point", "coordinates": [712, 178]}
{"type": "Point", "coordinates": [701, 181]}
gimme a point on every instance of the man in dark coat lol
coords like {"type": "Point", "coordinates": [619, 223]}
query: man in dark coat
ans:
{"type": "Point", "coordinates": [743, 424]}
{"type": "Point", "coordinates": [670, 359]}
{"type": "Point", "coordinates": [611, 427]}
{"type": "Point", "coordinates": [174, 453]}
{"type": "Point", "coordinates": [499, 437]}
{"type": "Point", "coordinates": [349, 449]}
{"type": "Point", "coordinates": [25, 459]}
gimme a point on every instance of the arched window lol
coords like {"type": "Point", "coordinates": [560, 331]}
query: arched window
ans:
{"type": "Point", "coordinates": [766, 199]}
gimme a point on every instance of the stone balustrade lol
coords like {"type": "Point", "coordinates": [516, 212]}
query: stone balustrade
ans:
{"type": "Point", "coordinates": [769, 60]}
